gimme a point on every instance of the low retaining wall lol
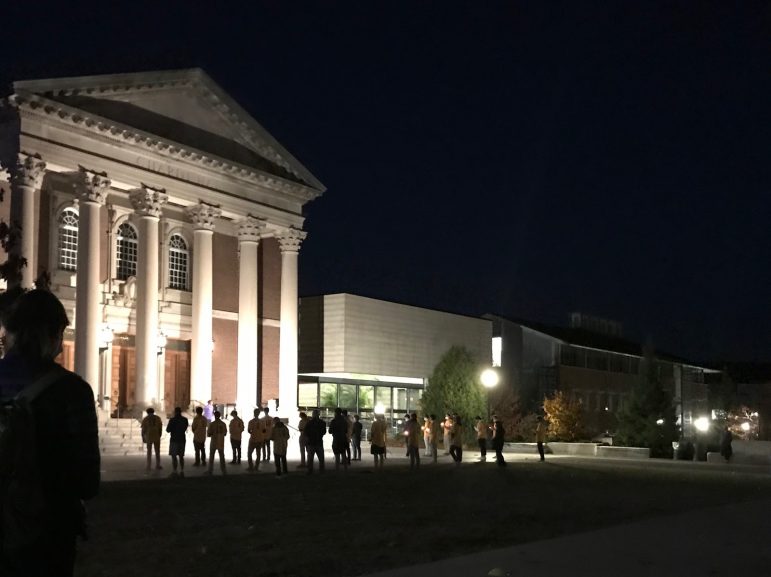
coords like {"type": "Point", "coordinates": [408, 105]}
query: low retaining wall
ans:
{"type": "Point", "coordinates": [580, 449]}
{"type": "Point", "coordinates": [623, 452]}
{"type": "Point", "coordinates": [524, 448]}
{"type": "Point", "coordinates": [740, 458]}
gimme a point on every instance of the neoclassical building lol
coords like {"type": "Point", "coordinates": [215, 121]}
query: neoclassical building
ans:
{"type": "Point", "coordinates": [170, 223]}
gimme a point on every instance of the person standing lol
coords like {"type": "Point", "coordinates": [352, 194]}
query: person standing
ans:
{"type": "Point", "coordinates": [413, 441]}
{"type": "Point", "coordinates": [208, 412]}
{"type": "Point", "coordinates": [540, 436]}
{"type": "Point", "coordinates": [267, 433]}
{"type": "Point", "coordinates": [726, 450]}
{"type": "Point", "coordinates": [236, 428]}
{"type": "Point", "coordinates": [481, 429]}
{"type": "Point", "coordinates": [303, 438]}
{"type": "Point", "coordinates": [498, 434]}
{"type": "Point", "coordinates": [447, 433]}
{"type": "Point", "coordinates": [255, 441]}
{"type": "Point", "coordinates": [200, 424]}
{"type": "Point", "coordinates": [60, 453]}
{"type": "Point", "coordinates": [456, 439]}
{"type": "Point", "coordinates": [280, 441]}
{"type": "Point", "coordinates": [315, 431]}
{"type": "Point", "coordinates": [435, 428]}
{"type": "Point", "coordinates": [356, 438]}
{"type": "Point", "coordinates": [378, 440]}
{"type": "Point", "coordinates": [426, 428]}
{"type": "Point", "coordinates": [217, 431]}
{"type": "Point", "coordinates": [152, 429]}
{"type": "Point", "coordinates": [349, 434]}
{"type": "Point", "coordinates": [177, 428]}
{"type": "Point", "coordinates": [338, 428]}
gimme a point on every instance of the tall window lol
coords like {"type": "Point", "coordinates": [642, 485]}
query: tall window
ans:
{"type": "Point", "coordinates": [178, 262]}
{"type": "Point", "coordinates": [68, 239]}
{"type": "Point", "coordinates": [126, 258]}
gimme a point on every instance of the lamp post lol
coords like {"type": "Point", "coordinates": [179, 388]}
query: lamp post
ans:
{"type": "Point", "coordinates": [489, 378]}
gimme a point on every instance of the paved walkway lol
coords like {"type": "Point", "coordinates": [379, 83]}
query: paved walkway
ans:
{"type": "Point", "coordinates": [728, 540]}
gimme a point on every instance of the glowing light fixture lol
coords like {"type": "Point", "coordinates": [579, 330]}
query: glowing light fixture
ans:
{"type": "Point", "coordinates": [106, 336]}
{"type": "Point", "coordinates": [160, 342]}
{"type": "Point", "coordinates": [659, 422]}
{"type": "Point", "coordinates": [745, 426]}
{"type": "Point", "coordinates": [701, 424]}
{"type": "Point", "coordinates": [489, 378]}
{"type": "Point", "coordinates": [379, 410]}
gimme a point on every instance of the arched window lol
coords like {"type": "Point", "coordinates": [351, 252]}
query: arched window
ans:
{"type": "Point", "coordinates": [68, 239]}
{"type": "Point", "coordinates": [179, 257]}
{"type": "Point", "coordinates": [126, 261]}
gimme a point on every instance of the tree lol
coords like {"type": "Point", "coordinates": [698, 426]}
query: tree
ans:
{"type": "Point", "coordinates": [454, 387]}
{"type": "Point", "coordinates": [649, 420]}
{"type": "Point", "coordinates": [565, 417]}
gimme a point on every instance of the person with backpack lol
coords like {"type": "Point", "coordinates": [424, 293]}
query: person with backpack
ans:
{"type": "Point", "coordinates": [177, 428]}
{"type": "Point", "coordinates": [378, 440]}
{"type": "Point", "coordinates": [152, 429]}
{"type": "Point", "coordinates": [236, 428]}
{"type": "Point", "coordinates": [216, 432]}
{"type": "Point", "coordinates": [42, 485]}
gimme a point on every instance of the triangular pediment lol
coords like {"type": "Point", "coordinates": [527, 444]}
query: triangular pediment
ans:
{"type": "Point", "coordinates": [182, 106]}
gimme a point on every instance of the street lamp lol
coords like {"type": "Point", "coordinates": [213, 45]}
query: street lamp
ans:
{"type": "Point", "coordinates": [489, 378]}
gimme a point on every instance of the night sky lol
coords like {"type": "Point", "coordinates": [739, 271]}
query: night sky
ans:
{"type": "Point", "coordinates": [528, 159]}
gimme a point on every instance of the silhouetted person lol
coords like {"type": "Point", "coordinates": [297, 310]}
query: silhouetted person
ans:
{"type": "Point", "coordinates": [256, 439]}
{"type": "Point", "coordinates": [199, 428]}
{"type": "Point", "coordinates": [456, 440]}
{"type": "Point", "coordinates": [177, 427]}
{"type": "Point", "coordinates": [481, 429]}
{"type": "Point", "coordinates": [303, 441]}
{"type": "Point", "coordinates": [267, 432]}
{"type": "Point", "coordinates": [315, 431]}
{"type": "Point", "coordinates": [236, 428]}
{"type": "Point", "coordinates": [378, 440]}
{"type": "Point", "coordinates": [356, 438]}
{"type": "Point", "coordinates": [413, 441]}
{"type": "Point", "coordinates": [217, 432]}
{"type": "Point", "coordinates": [498, 434]}
{"type": "Point", "coordinates": [349, 434]}
{"type": "Point", "coordinates": [540, 436]}
{"type": "Point", "coordinates": [152, 429]}
{"type": "Point", "coordinates": [280, 442]}
{"type": "Point", "coordinates": [55, 467]}
{"type": "Point", "coordinates": [725, 444]}
{"type": "Point", "coordinates": [338, 428]}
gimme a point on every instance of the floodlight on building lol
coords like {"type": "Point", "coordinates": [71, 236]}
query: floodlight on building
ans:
{"type": "Point", "coordinates": [106, 336]}
{"type": "Point", "coordinates": [745, 426]}
{"type": "Point", "coordinates": [701, 424]}
{"type": "Point", "coordinates": [489, 378]}
{"type": "Point", "coordinates": [160, 342]}
{"type": "Point", "coordinates": [659, 422]}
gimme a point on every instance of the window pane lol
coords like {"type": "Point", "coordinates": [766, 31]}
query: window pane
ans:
{"type": "Point", "coordinates": [178, 262]}
{"type": "Point", "coordinates": [328, 397]}
{"type": "Point", "coordinates": [348, 396]}
{"type": "Point", "coordinates": [126, 262]}
{"type": "Point", "coordinates": [306, 395]}
{"type": "Point", "coordinates": [400, 399]}
{"type": "Point", "coordinates": [366, 397]}
{"type": "Point", "coordinates": [413, 400]}
{"type": "Point", "coordinates": [68, 239]}
{"type": "Point", "coordinates": [383, 397]}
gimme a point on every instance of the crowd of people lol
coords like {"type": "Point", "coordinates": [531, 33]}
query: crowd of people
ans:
{"type": "Point", "coordinates": [269, 436]}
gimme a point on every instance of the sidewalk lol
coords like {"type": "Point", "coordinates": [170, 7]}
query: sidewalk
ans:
{"type": "Point", "coordinates": [728, 540]}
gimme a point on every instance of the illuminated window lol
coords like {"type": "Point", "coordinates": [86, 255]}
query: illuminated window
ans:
{"type": "Point", "coordinates": [68, 239]}
{"type": "Point", "coordinates": [497, 351]}
{"type": "Point", "coordinates": [179, 257]}
{"type": "Point", "coordinates": [383, 397]}
{"type": "Point", "coordinates": [366, 397]}
{"type": "Point", "coordinates": [307, 395]}
{"type": "Point", "coordinates": [328, 395]}
{"type": "Point", "coordinates": [347, 397]}
{"type": "Point", "coordinates": [128, 247]}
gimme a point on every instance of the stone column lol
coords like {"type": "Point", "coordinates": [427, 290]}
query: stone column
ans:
{"type": "Point", "coordinates": [289, 242]}
{"type": "Point", "coordinates": [147, 203]}
{"type": "Point", "coordinates": [88, 296]}
{"type": "Point", "coordinates": [27, 178]}
{"type": "Point", "coordinates": [202, 216]}
{"type": "Point", "coordinates": [249, 230]}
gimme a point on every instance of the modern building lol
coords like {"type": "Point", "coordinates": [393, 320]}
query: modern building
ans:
{"type": "Point", "coordinates": [170, 223]}
{"type": "Point", "coordinates": [592, 362]}
{"type": "Point", "coordinates": [359, 353]}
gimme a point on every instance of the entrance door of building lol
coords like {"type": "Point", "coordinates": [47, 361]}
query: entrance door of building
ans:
{"type": "Point", "coordinates": [127, 378]}
{"type": "Point", "coordinates": [177, 380]}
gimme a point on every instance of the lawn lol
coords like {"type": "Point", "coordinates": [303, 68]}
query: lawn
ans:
{"type": "Point", "coordinates": [359, 522]}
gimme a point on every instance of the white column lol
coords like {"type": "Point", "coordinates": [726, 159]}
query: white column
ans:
{"type": "Point", "coordinates": [147, 203]}
{"type": "Point", "coordinates": [89, 295]}
{"type": "Point", "coordinates": [249, 230]}
{"type": "Point", "coordinates": [202, 216]}
{"type": "Point", "coordinates": [27, 178]}
{"type": "Point", "coordinates": [289, 242]}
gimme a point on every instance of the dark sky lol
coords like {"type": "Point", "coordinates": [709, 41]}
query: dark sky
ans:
{"type": "Point", "coordinates": [529, 159]}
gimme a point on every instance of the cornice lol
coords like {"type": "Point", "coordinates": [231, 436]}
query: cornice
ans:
{"type": "Point", "coordinates": [38, 105]}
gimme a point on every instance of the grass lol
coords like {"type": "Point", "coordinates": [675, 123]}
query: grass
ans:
{"type": "Point", "coordinates": [360, 522]}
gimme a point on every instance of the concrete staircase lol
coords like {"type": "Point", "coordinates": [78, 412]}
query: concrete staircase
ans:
{"type": "Point", "coordinates": [123, 436]}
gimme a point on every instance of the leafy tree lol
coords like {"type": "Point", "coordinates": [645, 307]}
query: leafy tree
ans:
{"type": "Point", "coordinates": [565, 417]}
{"type": "Point", "coordinates": [648, 420]}
{"type": "Point", "coordinates": [454, 387]}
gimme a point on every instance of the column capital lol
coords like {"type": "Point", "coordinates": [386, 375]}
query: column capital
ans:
{"type": "Point", "coordinates": [96, 185]}
{"type": "Point", "coordinates": [289, 240]}
{"type": "Point", "coordinates": [148, 201]}
{"type": "Point", "coordinates": [250, 228]}
{"type": "Point", "coordinates": [202, 215]}
{"type": "Point", "coordinates": [29, 170]}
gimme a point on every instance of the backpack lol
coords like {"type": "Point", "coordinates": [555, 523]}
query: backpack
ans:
{"type": "Point", "coordinates": [23, 505]}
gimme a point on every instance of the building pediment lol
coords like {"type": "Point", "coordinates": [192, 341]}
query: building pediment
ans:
{"type": "Point", "coordinates": [184, 107]}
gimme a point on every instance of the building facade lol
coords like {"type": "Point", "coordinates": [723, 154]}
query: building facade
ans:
{"type": "Point", "coordinates": [170, 223]}
{"type": "Point", "coordinates": [592, 362]}
{"type": "Point", "coordinates": [360, 353]}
